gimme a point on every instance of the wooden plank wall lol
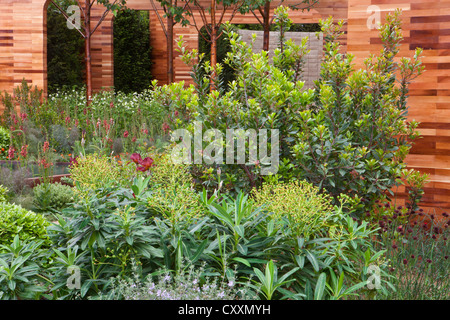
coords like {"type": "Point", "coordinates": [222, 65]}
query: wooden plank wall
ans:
{"type": "Point", "coordinates": [426, 23]}
{"type": "Point", "coordinates": [22, 43]}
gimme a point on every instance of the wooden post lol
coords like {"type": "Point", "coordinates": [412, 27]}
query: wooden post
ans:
{"type": "Point", "coordinates": [213, 44]}
{"type": "Point", "coordinates": [266, 26]}
{"type": "Point", "coordinates": [170, 24]}
{"type": "Point", "coordinates": [87, 47]}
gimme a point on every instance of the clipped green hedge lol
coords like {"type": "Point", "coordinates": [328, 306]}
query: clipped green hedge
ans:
{"type": "Point", "coordinates": [17, 220]}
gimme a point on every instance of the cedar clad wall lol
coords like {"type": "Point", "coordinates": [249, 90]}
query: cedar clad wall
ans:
{"type": "Point", "coordinates": [426, 24]}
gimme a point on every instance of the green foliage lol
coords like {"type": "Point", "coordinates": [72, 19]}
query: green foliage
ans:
{"type": "Point", "coordinates": [355, 136]}
{"type": "Point", "coordinates": [298, 202]}
{"type": "Point", "coordinates": [172, 191]}
{"type": "Point", "coordinates": [3, 194]}
{"type": "Point", "coordinates": [102, 234]}
{"type": "Point", "coordinates": [132, 51]}
{"type": "Point", "coordinates": [52, 196]}
{"type": "Point", "coordinates": [261, 97]}
{"type": "Point", "coordinates": [4, 143]}
{"type": "Point", "coordinates": [414, 182]}
{"type": "Point", "coordinates": [14, 220]}
{"type": "Point", "coordinates": [96, 171]}
{"type": "Point", "coordinates": [269, 282]}
{"type": "Point", "coordinates": [21, 265]}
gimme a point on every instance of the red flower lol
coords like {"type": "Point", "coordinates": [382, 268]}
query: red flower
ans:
{"type": "Point", "coordinates": [125, 134]}
{"type": "Point", "coordinates": [145, 164]}
{"type": "Point", "coordinates": [46, 146]}
{"type": "Point", "coordinates": [136, 158]}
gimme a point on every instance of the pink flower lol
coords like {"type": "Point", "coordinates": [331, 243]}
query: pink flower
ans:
{"type": "Point", "coordinates": [125, 134]}
{"type": "Point", "coordinates": [11, 152]}
{"type": "Point", "coordinates": [23, 151]}
{"type": "Point", "coordinates": [165, 127]}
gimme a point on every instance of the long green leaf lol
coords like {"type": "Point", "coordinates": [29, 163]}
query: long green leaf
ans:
{"type": "Point", "coordinates": [320, 286]}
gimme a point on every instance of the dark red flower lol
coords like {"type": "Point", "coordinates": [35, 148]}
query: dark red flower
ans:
{"type": "Point", "coordinates": [405, 261]}
{"type": "Point", "coordinates": [146, 164]}
{"type": "Point", "coordinates": [73, 161]}
{"type": "Point", "coordinates": [136, 158]}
